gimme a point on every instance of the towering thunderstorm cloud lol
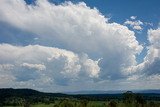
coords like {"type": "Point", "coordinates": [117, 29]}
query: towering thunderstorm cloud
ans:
{"type": "Point", "coordinates": [70, 45]}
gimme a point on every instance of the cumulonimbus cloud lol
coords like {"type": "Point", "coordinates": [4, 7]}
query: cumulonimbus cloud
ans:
{"type": "Point", "coordinates": [84, 33]}
{"type": "Point", "coordinates": [77, 28]}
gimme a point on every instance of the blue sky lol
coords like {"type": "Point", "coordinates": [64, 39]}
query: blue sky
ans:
{"type": "Point", "coordinates": [60, 45]}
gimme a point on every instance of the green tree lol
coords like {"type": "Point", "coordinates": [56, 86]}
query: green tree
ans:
{"type": "Point", "coordinates": [139, 100]}
{"type": "Point", "coordinates": [66, 103]}
{"type": "Point", "coordinates": [26, 103]}
{"type": "Point", "coordinates": [112, 104]}
{"type": "Point", "coordinates": [128, 97]}
{"type": "Point", "coordinates": [1, 105]}
{"type": "Point", "coordinates": [56, 105]}
{"type": "Point", "coordinates": [84, 103]}
{"type": "Point", "coordinates": [151, 104]}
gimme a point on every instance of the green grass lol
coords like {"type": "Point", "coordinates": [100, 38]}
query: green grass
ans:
{"type": "Point", "coordinates": [90, 104]}
{"type": "Point", "coordinates": [42, 105]}
{"type": "Point", "coordinates": [96, 104]}
{"type": "Point", "coordinates": [36, 105]}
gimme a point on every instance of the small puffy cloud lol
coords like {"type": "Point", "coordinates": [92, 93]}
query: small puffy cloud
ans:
{"type": "Point", "coordinates": [136, 25]}
{"type": "Point", "coordinates": [133, 17]}
{"type": "Point", "coordinates": [148, 23]}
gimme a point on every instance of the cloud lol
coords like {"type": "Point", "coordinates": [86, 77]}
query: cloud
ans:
{"type": "Point", "coordinates": [77, 28]}
{"type": "Point", "coordinates": [150, 67]}
{"type": "Point", "coordinates": [148, 24]}
{"type": "Point", "coordinates": [39, 67]}
{"type": "Point", "coordinates": [133, 17]}
{"type": "Point", "coordinates": [34, 63]}
{"type": "Point", "coordinates": [154, 37]}
{"type": "Point", "coordinates": [76, 46]}
{"type": "Point", "coordinates": [152, 59]}
{"type": "Point", "coordinates": [136, 25]}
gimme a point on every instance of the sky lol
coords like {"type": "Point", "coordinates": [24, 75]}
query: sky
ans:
{"type": "Point", "coordinates": [77, 45]}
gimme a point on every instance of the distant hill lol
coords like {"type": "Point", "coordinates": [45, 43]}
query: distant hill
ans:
{"type": "Point", "coordinates": [90, 95]}
{"type": "Point", "coordinates": [10, 92]}
{"type": "Point", "coordinates": [12, 97]}
{"type": "Point", "coordinates": [95, 92]}
{"type": "Point", "coordinates": [113, 92]}
{"type": "Point", "coordinates": [18, 92]}
{"type": "Point", "coordinates": [156, 91]}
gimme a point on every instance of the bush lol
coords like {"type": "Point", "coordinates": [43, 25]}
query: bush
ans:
{"type": "Point", "coordinates": [84, 103]}
{"type": "Point", "coordinates": [26, 104]}
{"type": "Point", "coordinates": [112, 104]}
{"type": "Point", "coordinates": [66, 103]}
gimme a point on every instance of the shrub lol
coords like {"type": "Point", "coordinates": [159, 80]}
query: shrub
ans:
{"type": "Point", "coordinates": [112, 104]}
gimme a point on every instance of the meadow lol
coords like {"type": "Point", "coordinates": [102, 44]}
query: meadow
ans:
{"type": "Point", "coordinates": [70, 103]}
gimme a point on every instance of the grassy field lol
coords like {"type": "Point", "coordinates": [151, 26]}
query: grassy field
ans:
{"type": "Point", "coordinates": [36, 105]}
{"type": "Point", "coordinates": [92, 104]}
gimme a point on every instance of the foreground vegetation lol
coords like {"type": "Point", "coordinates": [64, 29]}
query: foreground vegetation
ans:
{"type": "Point", "coordinates": [32, 98]}
{"type": "Point", "coordinates": [83, 103]}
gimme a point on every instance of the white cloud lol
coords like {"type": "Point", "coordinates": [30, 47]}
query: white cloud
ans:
{"type": "Point", "coordinates": [136, 25]}
{"type": "Point", "coordinates": [39, 67]}
{"type": "Point", "coordinates": [150, 67]}
{"type": "Point", "coordinates": [154, 37]}
{"type": "Point", "coordinates": [86, 35]}
{"type": "Point", "coordinates": [77, 28]}
{"type": "Point", "coordinates": [6, 79]}
{"type": "Point", "coordinates": [34, 63]}
{"type": "Point", "coordinates": [152, 59]}
{"type": "Point", "coordinates": [149, 24]}
{"type": "Point", "coordinates": [133, 17]}
{"type": "Point", "coordinates": [89, 65]}
{"type": "Point", "coordinates": [6, 76]}
{"type": "Point", "coordinates": [133, 77]}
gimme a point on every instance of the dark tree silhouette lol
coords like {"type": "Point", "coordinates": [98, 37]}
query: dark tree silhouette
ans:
{"type": "Point", "coordinates": [128, 97]}
{"type": "Point", "coordinates": [84, 103]}
{"type": "Point", "coordinates": [151, 104]}
{"type": "Point", "coordinates": [26, 103]}
{"type": "Point", "coordinates": [140, 100]}
{"type": "Point", "coordinates": [112, 104]}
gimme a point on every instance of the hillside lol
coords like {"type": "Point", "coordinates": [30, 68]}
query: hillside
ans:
{"type": "Point", "coordinates": [91, 95]}
{"type": "Point", "coordinates": [10, 92]}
